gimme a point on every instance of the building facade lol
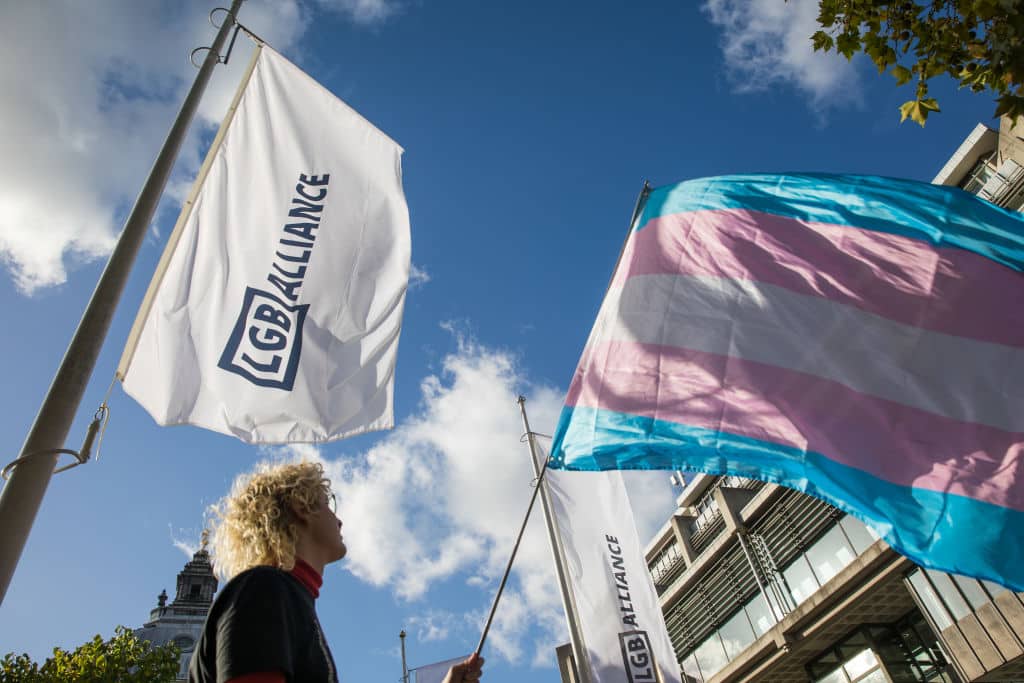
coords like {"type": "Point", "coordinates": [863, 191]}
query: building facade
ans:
{"type": "Point", "coordinates": [762, 583]}
{"type": "Point", "coordinates": [990, 164]}
{"type": "Point", "coordinates": [181, 622]}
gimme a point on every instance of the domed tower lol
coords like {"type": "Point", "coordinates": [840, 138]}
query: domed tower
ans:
{"type": "Point", "coordinates": [181, 622]}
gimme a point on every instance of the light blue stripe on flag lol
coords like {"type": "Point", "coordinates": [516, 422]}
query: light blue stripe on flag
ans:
{"type": "Point", "coordinates": [931, 528]}
{"type": "Point", "coordinates": [939, 215]}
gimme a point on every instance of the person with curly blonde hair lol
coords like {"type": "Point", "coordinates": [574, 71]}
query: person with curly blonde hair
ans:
{"type": "Point", "coordinates": [272, 536]}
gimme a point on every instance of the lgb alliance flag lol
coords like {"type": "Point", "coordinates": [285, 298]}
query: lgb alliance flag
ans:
{"type": "Point", "coordinates": [275, 312]}
{"type": "Point", "coordinates": [860, 339]}
{"type": "Point", "coordinates": [621, 626]}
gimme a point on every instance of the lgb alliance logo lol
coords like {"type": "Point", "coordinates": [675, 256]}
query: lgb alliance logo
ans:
{"type": "Point", "coordinates": [638, 658]}
{"type": "Point", "coordinates": [266, 342]}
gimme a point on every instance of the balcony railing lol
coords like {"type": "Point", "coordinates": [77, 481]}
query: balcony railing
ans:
{"type": "Point", "coordinates": [666, 566]}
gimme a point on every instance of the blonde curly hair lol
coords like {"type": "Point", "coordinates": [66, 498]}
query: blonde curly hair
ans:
{"type": "Point", "coordinates": [254, 524]}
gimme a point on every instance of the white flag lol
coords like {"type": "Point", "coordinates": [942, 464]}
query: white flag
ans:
{"type": "Point", "coordinates": [616, 604]}
{"type": "Point", "coordinates": [435, 673]}
{"type": "Point", "coordinates": [275, 313]}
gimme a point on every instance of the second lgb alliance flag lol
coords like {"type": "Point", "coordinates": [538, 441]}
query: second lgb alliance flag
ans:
{"type": "Point", "coordinates": [624, 639]}
{"type": "Point", "coordinates": [275, 313]}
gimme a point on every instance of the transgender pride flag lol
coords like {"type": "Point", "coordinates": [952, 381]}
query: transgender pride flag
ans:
{"type": "Point", "coordinates": [857, 338]}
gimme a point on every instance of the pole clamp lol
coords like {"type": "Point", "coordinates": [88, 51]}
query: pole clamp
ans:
{"type": "Point", "coordinates": [231, 46]}
{"type": "Point", "coordinates": [81, 456]}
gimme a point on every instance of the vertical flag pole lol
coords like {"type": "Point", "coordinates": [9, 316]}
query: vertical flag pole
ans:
{"type": "Point", "coordinates": [579, 652]}
{"type": "Point", "coordinates": [405, 669]}
{"type": "Point", "coordinates": [511, 559]}
{"type": "Point", "coordinates": [23, 493]}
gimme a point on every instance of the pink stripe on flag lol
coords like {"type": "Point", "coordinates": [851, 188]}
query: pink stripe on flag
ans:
{"type": "Point", "coordinates": [947, 290]}
{"type": "Point", "coordinates": [897, 443]}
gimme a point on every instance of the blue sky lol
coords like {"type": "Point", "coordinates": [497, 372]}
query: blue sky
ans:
{"type": "Point", "coordinates": [529, 129]}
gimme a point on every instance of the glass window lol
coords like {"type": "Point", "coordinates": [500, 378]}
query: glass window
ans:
{"type": "Point", "coordinates": [950, 595]}
{"type": "Point", "coordinates": [736, 634]}
{"type": "Point", "coordinates": [800, 579]}
{"type": "Point", "coordinates": [860, 536]}
{"type": "Point", "coordinates": [860, 664]}
{"type": "Point", "coordinates": [759, 615]}
{"type": "Point", "coordinates": [830, 554]}
{"type": "Point", "coordinates": [930, 600]}
{"type": "Point", "coordinates": [836, 676]}
{"type": "Point", "coordinates": [707, 511]}
{"type": "Point", "coordinates": [691, 674]}
{"type": "Point", "coordinates": [979, 175]}
{"type": "Point", "coordinates": [975, 594]}
{"type": "Point", "coordinates": [853, 646]}
{"type": "Point", "coordinates": [824, 665]}
{"type": "Point", "coordinates": [875, 676]}
{"type": "Point", "coordinates": [711, 656]}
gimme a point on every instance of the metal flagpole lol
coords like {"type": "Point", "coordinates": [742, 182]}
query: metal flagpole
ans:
{"type": "Point", "coordinates": [579, 652]}
{"type": "Point", "coordinates": [405, 669]}
{"type": "Point", "coordinates": [23, 493]}
{"type": "Point", "coordinates": [512, 557]}
{"type": "Point", "coordinates": [575, 637]}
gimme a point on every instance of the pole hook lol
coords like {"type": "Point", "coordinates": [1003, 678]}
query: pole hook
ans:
{"type": "Point", "coordinates": [239, 26]}
{"type": "Point", "coordinates": [99, 420]}
{"type": "Point", "coordinates": [228, 16]}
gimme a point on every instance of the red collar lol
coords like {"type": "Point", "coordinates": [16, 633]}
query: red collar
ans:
{"type": "Point", "coordinates": [308, 577]}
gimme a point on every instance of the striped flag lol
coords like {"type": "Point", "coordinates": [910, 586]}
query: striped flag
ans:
{"type": "Point", "coordinates": [857, 338]}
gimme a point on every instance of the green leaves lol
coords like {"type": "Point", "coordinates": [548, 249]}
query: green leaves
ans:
{"type": "Point", "coordinates": [979, 43]}
{"type": "Point", "coordinates": [918, 110]}
{"type": "Point", "coordinates": [122, 658]}
{"type": "Point", "coordinates": [1010, 105]}
{"type": "Point", "coordinates": [822, 41]}
{"type": "Point", "coordinates": [902, 74]}
{"type": "Point", "coordinates": [847, 44]}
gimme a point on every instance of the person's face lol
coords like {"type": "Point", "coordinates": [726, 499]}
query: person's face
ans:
{"type": "Point", "coordinates": [326, 529]}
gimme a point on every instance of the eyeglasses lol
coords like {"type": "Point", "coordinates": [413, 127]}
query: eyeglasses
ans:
{"type": "Point", "coordinates": [332, 503]}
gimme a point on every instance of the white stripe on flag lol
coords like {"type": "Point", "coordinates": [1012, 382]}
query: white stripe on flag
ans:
{"type": "Point", "coordinates": [870, 354]}
{"type": "Point", "coordinates": [278, 316]}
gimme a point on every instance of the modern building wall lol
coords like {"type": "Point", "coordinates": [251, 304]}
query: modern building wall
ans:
{"type": "Point", "coordinates": [768, 580]}
{"type": "Point", "coordinates": [762, 583]}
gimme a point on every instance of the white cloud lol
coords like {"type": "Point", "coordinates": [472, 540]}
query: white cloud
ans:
{"type": "Point", "coordinates": [432, 625]}
{"type": "Point", "coordinates": [767, 43]}
{"type": "Point", "coordinates": [181, 543]}
{"type": "Point", "coordinates": [363, 11]}
{"type": "Point", "coordinates": [82, 126]}
{"type": "Point", "coordinates": [417, 276]}
{"type": "Point", "coordinates": [442, 497]}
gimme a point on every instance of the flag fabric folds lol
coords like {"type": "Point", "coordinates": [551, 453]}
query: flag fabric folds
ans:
{"type": "Point", "coordinates": [857, 338]}
{"type": "Point", "coordinates": [276, 311]}
{"type": "Point", "coordinates": [613, 595]}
